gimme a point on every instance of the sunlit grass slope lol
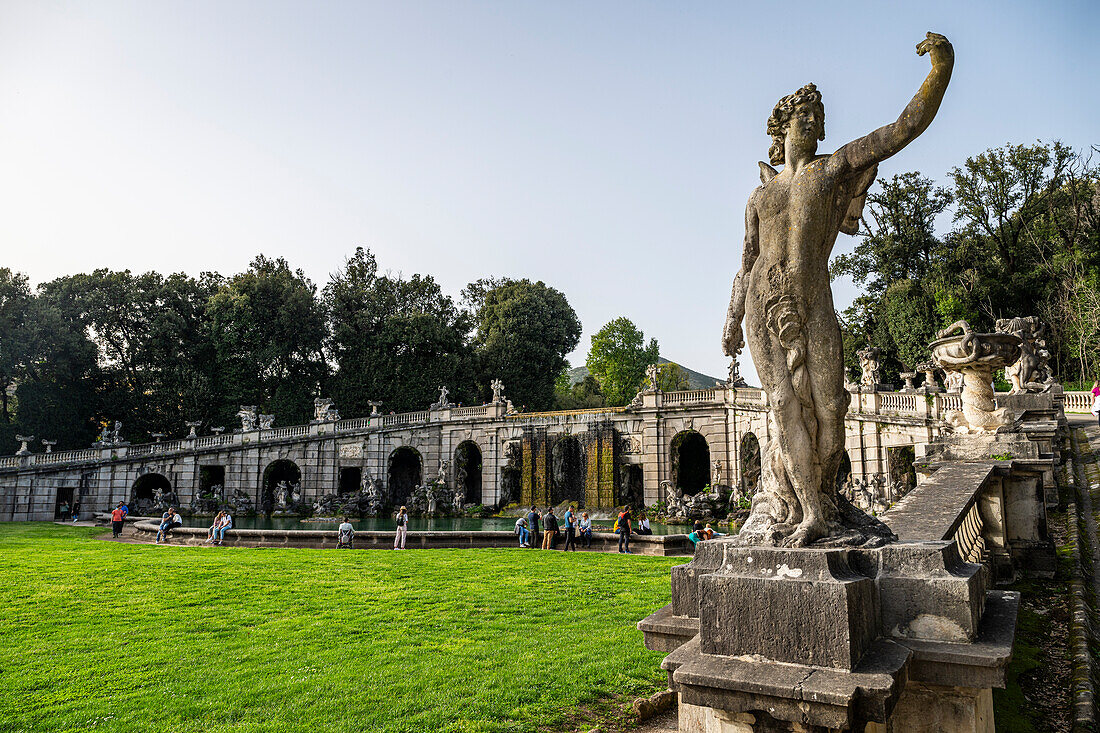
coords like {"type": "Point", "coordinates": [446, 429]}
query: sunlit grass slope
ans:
{"type": "Point", "coordinates": [98, 635]}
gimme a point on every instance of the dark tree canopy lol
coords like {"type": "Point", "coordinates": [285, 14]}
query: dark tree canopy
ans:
{"type": "Point", "coordinates": [524, 331]}
{"type": "Point", "coordinates": [395, 340]}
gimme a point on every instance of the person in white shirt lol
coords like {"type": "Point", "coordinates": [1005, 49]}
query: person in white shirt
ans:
{"type": "Point", "coordinates": [227, 523]}
{"type": "Point", "coordinates": [402, 529]}
{"type": "Point", "coordinates": [346, 534]}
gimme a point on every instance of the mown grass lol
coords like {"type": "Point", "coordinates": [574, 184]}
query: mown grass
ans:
{"type": "Point", "coordinates": [100, 635]}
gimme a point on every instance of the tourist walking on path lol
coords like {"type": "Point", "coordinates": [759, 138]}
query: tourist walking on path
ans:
{"type": "Point", "coordinates": [570, 530]}
{"type": "Point", "coordinates": [585, 529]}
{"type": "Point", "coordinates": [76, 511]}
{"type": "Point", "coordinates": [533, 526]}
{"type": "Point", "coordinates": [63, 511]}
{"type": "Point", "coordinates": [624, 532]}
{"type": "Point", "coordinates": [212, 532]}
{"type": "Point", "coordinates": [227, 523]}
{"type": "Point", "coordinates": [550, 528]}
{"type": "Point", "coordinates": [402, 529]}
{"type": "Point", "coordinates": [168, 521]}
{"type": "Point", "coordinates": [118, 516]}
{"type": "Point", "coordinates": [521, 530]}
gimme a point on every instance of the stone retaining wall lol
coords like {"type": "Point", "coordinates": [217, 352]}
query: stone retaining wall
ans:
{"type": "Point", "coordinates": [676, 544]}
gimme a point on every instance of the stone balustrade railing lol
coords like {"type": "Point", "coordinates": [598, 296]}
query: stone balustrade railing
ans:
{"type": "Point", "coordinates": [693, 397]}
{"type": "Point", "coordinates": [478, 411]}
{"type": "Point", "coordinates": [291, 431]}
{"type": "Point", "coordinates": [916, 405]}
{"type": "Point", "coordinates": [356, 423]}
{"type": "Point", "coordinates": [1078, 401]}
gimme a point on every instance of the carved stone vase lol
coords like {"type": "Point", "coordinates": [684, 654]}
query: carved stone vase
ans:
{"type": "Point", "coordinates": [976, 356]}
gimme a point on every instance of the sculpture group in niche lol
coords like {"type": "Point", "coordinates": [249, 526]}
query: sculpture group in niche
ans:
{"type": "Point", "coordinates": [782, 293]}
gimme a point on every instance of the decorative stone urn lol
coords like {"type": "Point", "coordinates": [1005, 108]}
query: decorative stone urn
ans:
{"type": "Point", "coordinates": [975, 356]}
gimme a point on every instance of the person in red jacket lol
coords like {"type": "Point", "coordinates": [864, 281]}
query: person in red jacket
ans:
{"type": "Point", "coordinates": [118, 517]}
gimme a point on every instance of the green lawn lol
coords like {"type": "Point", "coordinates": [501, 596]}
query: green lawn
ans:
{"type": "Point", "coordinates": [106, 636]}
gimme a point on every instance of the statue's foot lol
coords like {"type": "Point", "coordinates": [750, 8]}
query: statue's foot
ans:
{"type": "Point", "coordinates": [805, 534]}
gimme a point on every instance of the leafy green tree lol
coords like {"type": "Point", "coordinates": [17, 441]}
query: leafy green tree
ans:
{"type": "Point", "coordinates": [395, 340]}
{"type": "Point", "coordinates": [671, 377]}
{"type": "Point", "coordinates": [618, 358]}
{"type": "Point", "coordinates": [524, 331]}
{"type": "Point", "coordinates": [1024, 241]}
{"type": "Point", "coordinates": [267, 329]}
{"type": "Point", "coordinates": [584, 395]}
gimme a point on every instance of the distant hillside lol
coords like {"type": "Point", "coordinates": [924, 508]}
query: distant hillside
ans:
{"type": "Point", "coordinates": [696, 380]}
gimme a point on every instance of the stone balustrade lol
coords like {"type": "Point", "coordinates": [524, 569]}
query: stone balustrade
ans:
{"type": "Point", "coordinates": [897, 404]}
{"type": "Point", "coordinates": [1077, 401]}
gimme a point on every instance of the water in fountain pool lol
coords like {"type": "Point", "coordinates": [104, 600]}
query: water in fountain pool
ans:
{"type": "Point", "coordinates": [386, 524]}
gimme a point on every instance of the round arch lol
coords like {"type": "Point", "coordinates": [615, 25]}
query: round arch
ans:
{"type": "Point", "coordinates": [146, 493]}
{"type": "Point", "coordinates": [467, 470]}
{"type": "Point", "coordinates": [750, 464]}
{"type": "Point", "coordinates": [567, 471]}
{"type": "Point", "coordinates": [405, 471]}
{"type": "Point", "coordinates": [690, 462]}
{"type": "Point", "coordinates": [282, 481]}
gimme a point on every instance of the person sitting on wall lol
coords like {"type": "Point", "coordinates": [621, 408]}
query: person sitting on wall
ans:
{"type": "Point", "coordinates": [643, 524]}
{"type": "Point", "coordinates": [210, 533]}
{"type": "Point", "coordinates": [345, 535]}
{"type": "Point", "coordinates": [118, 516]}
{"type": "Point", "coordinates": [697, 526]}
{"type": "Point", "coordinates": [227, 523]}
{"type": "Point", "coordinates": [521, 530]}
{"type": "Point", "coordinates": [550, 525]}
{"type": "Point", "coordinates": [706, 533]}
{"type": "Point", "coordinates": [168, 521]}
{"type": "Point", "coordinates": [585, 530]}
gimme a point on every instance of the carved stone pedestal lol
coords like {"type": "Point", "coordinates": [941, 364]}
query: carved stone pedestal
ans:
{"type": "Point", "coordinates": [905, 637]}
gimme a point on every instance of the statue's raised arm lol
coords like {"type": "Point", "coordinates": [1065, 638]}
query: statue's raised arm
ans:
{"type": "Point", "coordinates": [915, 118]}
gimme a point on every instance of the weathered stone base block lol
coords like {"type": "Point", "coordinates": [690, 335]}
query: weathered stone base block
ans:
{"type": "Point", "coordinates": [935, 709]}
{"type": "Point", "coordinates": [905, 637]}
{"type": "Point", "coordinates": [921, 709]}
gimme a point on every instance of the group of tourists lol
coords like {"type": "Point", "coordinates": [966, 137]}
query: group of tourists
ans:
{"type": "Point", "coordinates": [65, 511]}
{"type": "Point", "coordinates": [571, 527]}
{"type": "Point", "coordinates": [168, 521]}
{"type": "Point", "coordinates": [700, 532]}
{"type": "Point", "coordinates": [118, 519]}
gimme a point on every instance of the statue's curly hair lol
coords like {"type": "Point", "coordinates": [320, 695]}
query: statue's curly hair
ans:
{"type": "Point", "coordinates": [782, 113]}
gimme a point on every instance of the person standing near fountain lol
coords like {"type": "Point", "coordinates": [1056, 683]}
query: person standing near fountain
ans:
{"type": "Point", "coordinates": [782, 293]}
{"type": "Point", "coordinates": [402, 529]}
{"type": "Point", "coordinates": [118, 516]}
{"type": "Point", "coordinates": [533, 527]}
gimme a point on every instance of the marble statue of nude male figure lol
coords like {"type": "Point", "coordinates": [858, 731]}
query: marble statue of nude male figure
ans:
{"type": "Point", "coordinates": [782, 293]}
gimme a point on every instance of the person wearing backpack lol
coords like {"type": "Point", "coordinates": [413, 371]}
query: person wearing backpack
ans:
{"type": "Point", "coordinates": [402, 529]}
{"type": "Point", "coordinates": [533, 527]}
{"type": "Point", "coordinates": [623, 528]}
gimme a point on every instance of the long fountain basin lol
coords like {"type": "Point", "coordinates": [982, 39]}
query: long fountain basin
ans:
{"type": "Point", "coordinates": [664, 545]}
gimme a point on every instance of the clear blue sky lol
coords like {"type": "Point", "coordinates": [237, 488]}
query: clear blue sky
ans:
{"type": "Point", "coordinates": [606, 148]}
